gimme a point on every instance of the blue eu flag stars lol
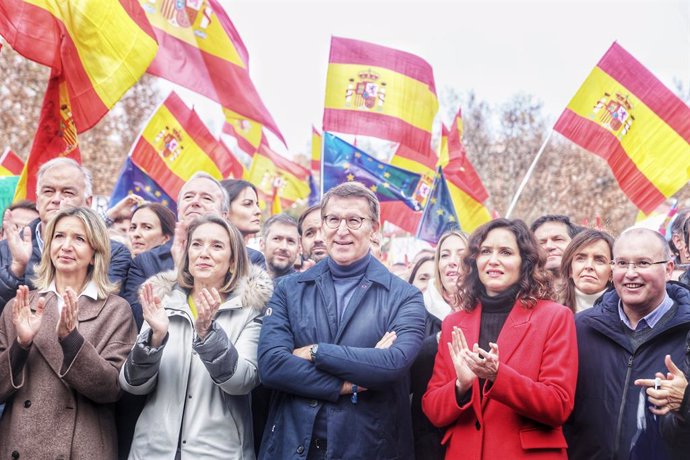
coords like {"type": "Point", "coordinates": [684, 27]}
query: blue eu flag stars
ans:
{"type": "Point", "coordinates": [343, 162]}
{"type": "Point", "coordinates": [134, 180]}
{"type": "Point", "coordinates": [439, 214]}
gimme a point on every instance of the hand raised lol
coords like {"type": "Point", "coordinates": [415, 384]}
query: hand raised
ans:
{"type": "Point", "coordinates": [154, 315]}
{"type": "Point", "coordinates": [670, 389]}
{"type": "Point", "coordinates": [26, 323]}
{"type": "Point", "coordinates": [18, 242]}
{"type": "Point", "coordinates": [68, 316]}
{"type": "Point", "coordinates": [457, 347]}
{"type": "Point", "coordinates": [207, 305]}
{"type": "Point", "coordinates": [483, 363]}
{"type": "Point", "coordinates": [125, 206]}
{"type": "Point", "coordinates": [179, 242]}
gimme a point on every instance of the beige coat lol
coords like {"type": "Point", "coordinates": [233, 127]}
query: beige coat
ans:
{"type": "Point", "coordinates": [65, 413]}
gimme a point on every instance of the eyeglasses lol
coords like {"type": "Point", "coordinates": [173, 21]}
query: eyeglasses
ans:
{"type": "Point", "coordinates": [352, 222]}
{"type": "Point", "coordinates": [640, 265]}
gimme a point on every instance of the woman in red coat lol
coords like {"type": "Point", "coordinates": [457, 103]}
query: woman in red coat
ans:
{"type": "Point", "coordinates": [505, 374]}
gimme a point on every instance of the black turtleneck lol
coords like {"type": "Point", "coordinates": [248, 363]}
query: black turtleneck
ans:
{"type": "Point", "coordinates": [495, 311]}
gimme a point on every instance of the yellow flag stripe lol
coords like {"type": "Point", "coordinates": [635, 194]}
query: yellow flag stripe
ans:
{"type": "Point", "coordinates": [470, 213]}
{"type": "Point", "coordinates": [263, 172]}
{"type": "Point", "coordinates": [650, 143]}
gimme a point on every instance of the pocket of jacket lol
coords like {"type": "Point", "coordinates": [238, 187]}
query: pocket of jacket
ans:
{"type": "Point", "coordinates": [538, 438]}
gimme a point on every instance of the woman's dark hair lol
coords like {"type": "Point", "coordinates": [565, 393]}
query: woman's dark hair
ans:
{"type": "Point", "coordinates": [165, 216]}
{"type": "Point", "coordinates": [235, 186]}
{"type": "Point", "coordinates": [534, 282]}
{"type": "Point", "coordinates": [582, 239]}
{"type": "Point", "coordinates": [416, 267]}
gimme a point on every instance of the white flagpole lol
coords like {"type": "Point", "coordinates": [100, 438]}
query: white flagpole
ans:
{"type": "Point", "coordinates": [527, 175]}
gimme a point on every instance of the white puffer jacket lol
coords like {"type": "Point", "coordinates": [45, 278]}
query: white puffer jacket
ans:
{"type": "Point", "coordinates": [198, 392]}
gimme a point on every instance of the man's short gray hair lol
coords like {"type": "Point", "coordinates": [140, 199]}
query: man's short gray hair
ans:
{"type": "Point", "coordinates": [64, 161]}
{"type": "Point", "coordinates": [225, 201]}
{"type": "Point", "coordinates": [353, 190]}
{"type": "Point", "coordinates": [649, 233]}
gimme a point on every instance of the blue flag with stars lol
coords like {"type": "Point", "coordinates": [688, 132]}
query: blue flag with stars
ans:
{"type": "Point", "coordinates": [343, 162]}
{"type": "Point", "coordinates": [439, 214]}
{"type": "Point", "coordinates": [135, 180]}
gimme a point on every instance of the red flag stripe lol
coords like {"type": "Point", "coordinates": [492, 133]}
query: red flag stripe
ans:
{"type": "Point", "coordinates": [12, 162]}
{"type": "Point", "coordinates": [641, 191]}
{"type": "Point", "coordinates": [377, 125]}
{"type": "Point", "coordinates": [146, 158]}
{"type": "Point", "coordinates": [348, 51]}
{"type": "Point", "coordinates": [629, 72]}
{"type": "Point", "coordinates": [242, 142]}
{"type": "Point", "coordinates": [194, 73]}
{"type": "Point", "coordinates": [398, 213]}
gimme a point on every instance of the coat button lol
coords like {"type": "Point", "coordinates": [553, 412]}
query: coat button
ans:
{"type": "Point", "coordinates": [300, 450]}
{"type": "Point", "coordinates": [477, 425]}
{"type": "Point", "coordinates": [27, 403]}
{"type": "Point", "coordinates": [15, 454]}
{"type": "Point", "coordinates": [313, 403]}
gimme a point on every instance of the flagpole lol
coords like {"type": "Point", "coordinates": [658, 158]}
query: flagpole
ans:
{"type": "Point", "coordinates": [527, 175]}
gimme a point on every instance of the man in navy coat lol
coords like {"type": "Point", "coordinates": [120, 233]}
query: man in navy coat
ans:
{"type": "Point", "coordinates": [337, 343]}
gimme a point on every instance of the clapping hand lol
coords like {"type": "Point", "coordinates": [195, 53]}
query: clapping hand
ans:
{"type": "Point", "coordinates": [154, 315]}
{"type": "Point", "coordinates": [179, 242]}
{"type": "Point", "coordinates": [665, 392]}
{"type": "Point", "coordinates": [207, 305]}
{"type": "Point", "coordinates": [26, 323]}
{"type": "Point", "coordinates": [18, 242]}
{"type": "Point", "coordinates": [484, 364]}
{"type": "Point", "coordinates": [68, 316]}
{"type": "Point", "coordinates": [457, 348]}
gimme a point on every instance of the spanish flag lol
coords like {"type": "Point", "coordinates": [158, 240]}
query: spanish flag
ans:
{"type": "Point", "coordinates": [376, 91]}
{"type": "Point", "coordinates": [464, 185]}
{"type": "Point", "coordinates": [624, 114]}
{"type": "Point", "coordinates": [10, 163]}
{"type": "Point", "coordinates": [201, 50]}
{"type": "Point", "coordinates": [316, 146]}
{"type": "Point", "coordinates": [248, 133]}
{"type": "Point", "coordinates": [98, 48]}
{"type": "Point", "coordinates": [175, 144]}
{"type": "Point", "coordinates": [278, 177]}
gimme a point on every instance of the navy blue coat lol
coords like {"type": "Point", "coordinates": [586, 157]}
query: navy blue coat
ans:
{"type": "Point", "coordinates": [604, 423]}
{"type": "Point", "coordinates": [120, 259]}
{"type": "Point", "coordinates": [303, 312]}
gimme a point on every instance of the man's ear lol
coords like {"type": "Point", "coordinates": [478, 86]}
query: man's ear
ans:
{"type": "Point", "coordinates": [88, 201]}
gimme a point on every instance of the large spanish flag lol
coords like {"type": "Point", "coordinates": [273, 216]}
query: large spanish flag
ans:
{"type": "Point", "coordinates": [10, 163]}
{"type": "Point", "coordinates": [56, 135]}
{"type": "Point", "coordinates": [201, 50]}
{"type": "Point", "coordinates": [376, 91]}
{"type": "Point", "coordinates": [276, 176]}
{"type": "Point", "coordinates": [464, 185]}
{"type": "Point", "coordinates": [99, 48]}
{"type": "Point", "coordinates": [624, 114]}
{"type": "Point", "coordinates": [175, 144]}
{"type": "Point", "coordinates": [248, 133]}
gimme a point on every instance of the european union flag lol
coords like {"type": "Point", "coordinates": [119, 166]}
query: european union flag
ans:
{"type": "Point", "coordinates": [135, 180]}
{"type": "Point", "coordinates": [343, 162]}
{"type": "Point", "coordinates": [439, 214]}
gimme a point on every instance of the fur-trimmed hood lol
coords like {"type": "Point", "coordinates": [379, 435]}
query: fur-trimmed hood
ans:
{"type": "Point", "coordinates": [253, 291]}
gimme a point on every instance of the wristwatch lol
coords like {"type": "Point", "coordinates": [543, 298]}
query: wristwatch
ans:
{"type": "Point", "coordinates": [312, 351]}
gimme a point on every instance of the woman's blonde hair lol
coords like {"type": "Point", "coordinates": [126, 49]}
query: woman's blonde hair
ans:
{"type": "Point", "coordinates": [96, 237]}
{"type": "Point", "coordinates": [239, 261]}
{"type": "Point", "coordinates": [437, 256]}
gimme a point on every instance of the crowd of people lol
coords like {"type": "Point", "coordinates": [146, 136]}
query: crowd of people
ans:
{"type": "Point", "coordinates": [143, 334]}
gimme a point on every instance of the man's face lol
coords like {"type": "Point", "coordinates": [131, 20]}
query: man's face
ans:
{"type": "Point", "coordinates": [553, 237]}
{"type": "Point", "coordinates": [640, 290]}
{"type": "Point", "coordinates": [199, 197]}
{"type": "Point", "coordinates": [313, 245]}
{"type": "Point", "coordinates": [280, 247]}
{"type": "Point", "coordinates": [344, 244]}
{"type": "Point", "coordinates": [61, 186]}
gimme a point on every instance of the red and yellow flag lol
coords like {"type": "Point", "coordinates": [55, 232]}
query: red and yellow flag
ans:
{"type": "Point", "coordinates": [100, 49]}
{"type": "Point", "coordinates": [316, 147]}
{"type": "Point", "coordinates": [56, 136]}
{"type": "Point", "coordinates": [248, 133]}
{"type": "Point", "coordinates": [201, 50]}
{"type": "Point", "coordinates": [464, 184]}
{"type": "Point", "coordinates": [376, 91]}
{"type": "Point", "coordinates": [624, 114]}
{"type": "Point", "coordinates": [276, 176]}
{"type": "Point", "coordinates": [10, 163]}
{"type": "Point", "coordinates": [175, 144]}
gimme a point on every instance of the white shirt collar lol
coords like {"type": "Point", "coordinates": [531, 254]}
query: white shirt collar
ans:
{"type": "Point", "coordinates": [91, 291]}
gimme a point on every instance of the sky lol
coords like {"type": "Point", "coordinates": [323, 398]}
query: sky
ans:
{"type": "Point", "coordinates": [495, 48]}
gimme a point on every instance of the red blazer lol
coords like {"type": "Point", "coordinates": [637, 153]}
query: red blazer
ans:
{"type": "Point", "coordinates": [521, 414]}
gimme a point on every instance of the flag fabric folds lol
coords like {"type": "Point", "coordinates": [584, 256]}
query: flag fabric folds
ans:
{"type": "Point", "coordinates": [175, 144]}
{"type": "Point", "coordinates": [10, 163]}
{"type": "Point", "coordinates": [624, 114]}
{"type": "Point", "coordinates": [343, 162]}
{"type": "Point", "coordinates": [133, 180]}
{"type": "Point", "coordinates": [274, 175]}
{"type": "Point", "coordinates": [372, 90]}
{"type": "Point", "coordinates": [248, 133]}
{"type": "Point", "coordinates": [100, 49]}
{"type": "Point", "coordinates": [439, 214]}
{"type": "Point", "coordinates": [201, 50]}
{"type": "Point", "coordinates": [316, 146]}
{"type": "Point", "coordinates": [56, 136]}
